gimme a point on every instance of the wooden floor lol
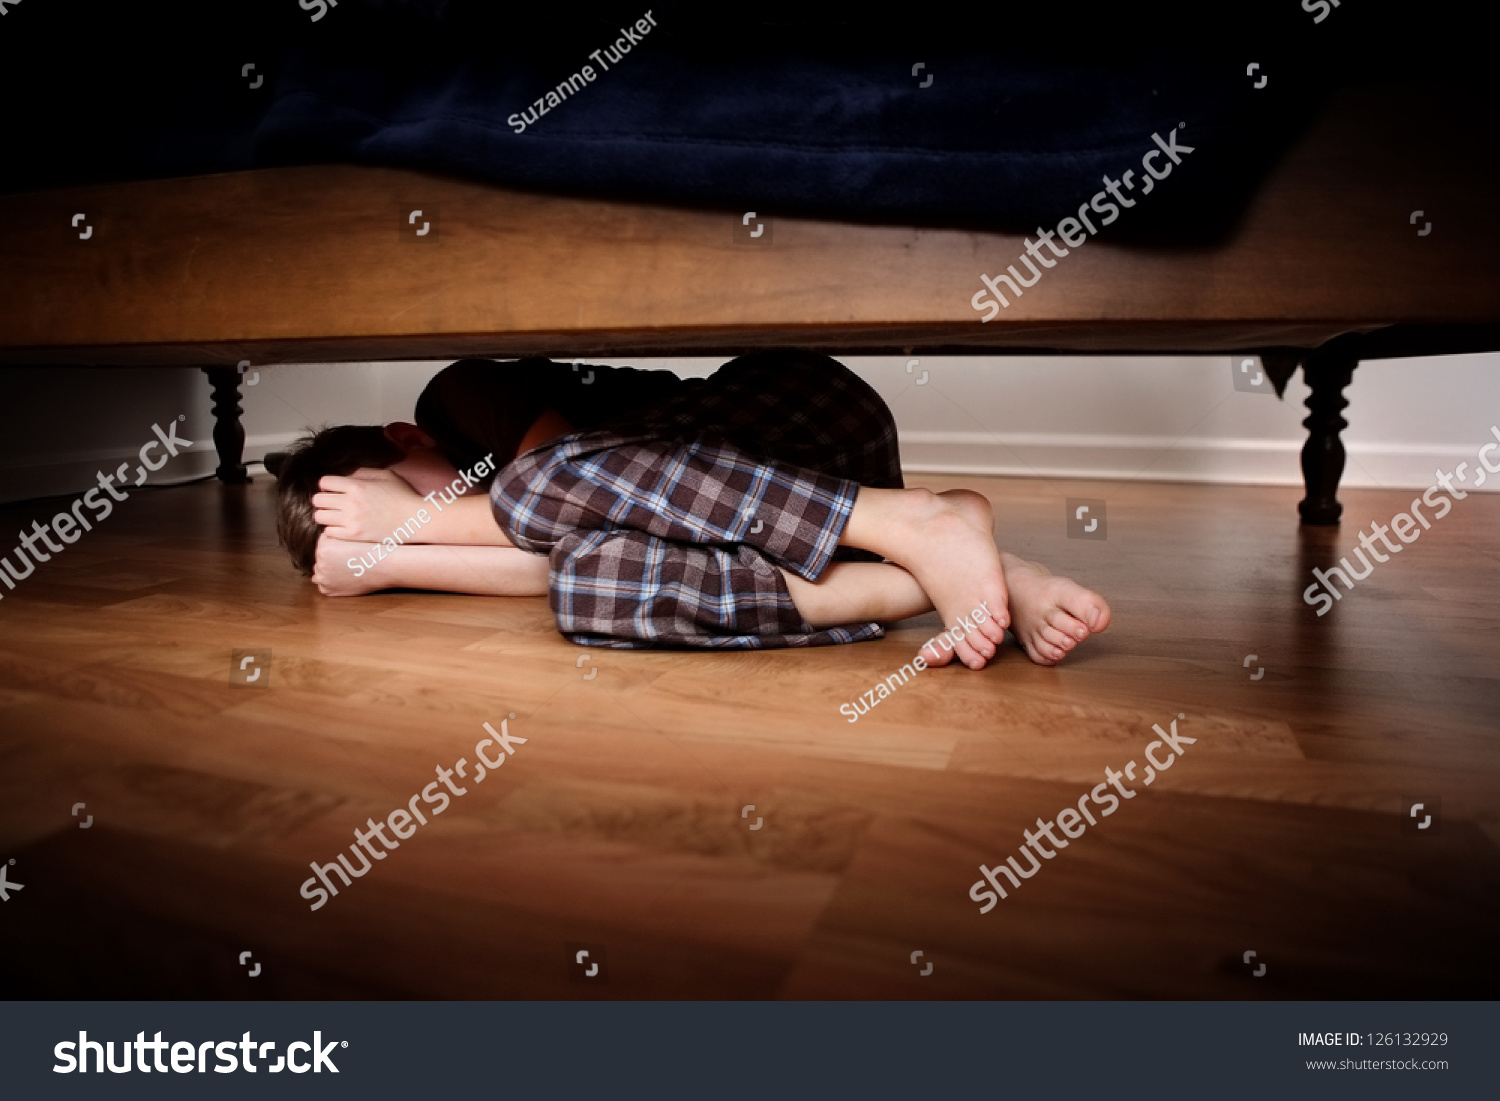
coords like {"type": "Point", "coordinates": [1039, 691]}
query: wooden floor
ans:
{"type": "Point", "coordinates": [619, 825]}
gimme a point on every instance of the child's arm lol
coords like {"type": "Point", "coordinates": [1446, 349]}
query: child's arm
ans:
{"type": "Point", "coordinates": [371, 504]}
{"type": "Point", "coordinates": [345, 568]}
{"type": "Point", "coordinates": [470, 520]}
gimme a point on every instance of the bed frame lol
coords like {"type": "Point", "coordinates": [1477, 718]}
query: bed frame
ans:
{"type": "Point", "coordinates": [1331, 264]}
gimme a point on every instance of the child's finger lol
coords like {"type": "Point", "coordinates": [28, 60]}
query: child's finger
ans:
{"type": "Point", "coordinates": [333, 483]}
{"type": "Point", "coordinates": [329, 500]}
{"type": "Point", "coordinates": [373, 474]}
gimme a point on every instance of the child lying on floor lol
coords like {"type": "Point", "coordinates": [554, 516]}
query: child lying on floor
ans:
{"type": "Point", "coordinates": [761, 507]}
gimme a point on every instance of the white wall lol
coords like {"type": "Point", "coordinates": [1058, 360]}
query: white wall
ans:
{"type": "Point", "coordinates": [1181, 419]}
{"type": "Point", "coordinates": [1055, 416]}
{"type": "Point", "coordinates": [59, 426]}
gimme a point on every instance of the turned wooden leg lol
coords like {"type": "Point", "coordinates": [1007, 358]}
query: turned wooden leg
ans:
{"type": "Point", "coordinates": [229, 433]}
{"type": "Point", "coordinates": [1327, 370]}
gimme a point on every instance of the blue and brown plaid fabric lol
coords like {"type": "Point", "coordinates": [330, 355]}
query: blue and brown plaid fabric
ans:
{"type": "Point", "coordinates": [665, 530]}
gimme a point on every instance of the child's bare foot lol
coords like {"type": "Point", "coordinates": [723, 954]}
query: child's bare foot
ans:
{"type": "Point", "coordinates": [954, 560]}
{"type": "Point", "coordinates": [334, 576]}
{"type": "Point", "coordinates": [975, 507]}
{"type": "Point", "coordinates": [1050, 615]}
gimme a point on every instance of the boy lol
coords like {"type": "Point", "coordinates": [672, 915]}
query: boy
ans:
{"type": "Point", "coordinates": [761, 507]}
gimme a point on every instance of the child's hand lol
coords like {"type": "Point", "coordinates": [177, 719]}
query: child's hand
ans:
{"type": "Point", "coordinates": [334, 575]}
{"type": "Point", "coordinates": [364, 507]}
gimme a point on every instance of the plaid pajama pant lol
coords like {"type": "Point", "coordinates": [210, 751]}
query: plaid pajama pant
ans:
{"type": "Point", "coordinates": [665, 530]}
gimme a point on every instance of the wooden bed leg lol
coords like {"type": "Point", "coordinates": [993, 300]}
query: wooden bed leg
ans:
{"type": "Point", "coordinates": [229, 433]}
{"type": "Point", "coordinates": [1327, 371]}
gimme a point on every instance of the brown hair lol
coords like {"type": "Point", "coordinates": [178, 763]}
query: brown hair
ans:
{"type": "Point", "coordinates": [340, 451]}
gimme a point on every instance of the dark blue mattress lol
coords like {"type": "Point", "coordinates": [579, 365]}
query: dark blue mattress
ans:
{"type": "Point", "coordinates": [789, 118]}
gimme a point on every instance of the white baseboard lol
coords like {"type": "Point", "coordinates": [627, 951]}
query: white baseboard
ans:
{"type": "Point", "coordinates": [1013, 454]}
{"type": "Point", "coordinates": [1165, 459]}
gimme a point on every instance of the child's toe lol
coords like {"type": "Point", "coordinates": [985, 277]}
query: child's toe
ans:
{"type": "Point", "coordinates": [1068, 624]}
{"type": "Point", "coordinates": [1088, 607]}
{"type": "Point", "coordinates": [1043, 652]}
{"type": "Point", "coordinates": [969, 655]}
{"type": "Point", "coordinates": [980, 645]}
{"type": "Point", "coordinates": [1059, 639]}
{"type": "Point", "coordinates": [935, 654]}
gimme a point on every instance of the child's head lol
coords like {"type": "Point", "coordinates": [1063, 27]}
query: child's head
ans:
{"type": "Point", "coordinates": [469, 409]}
{"type": "Point", "coordinates": [339, 451]}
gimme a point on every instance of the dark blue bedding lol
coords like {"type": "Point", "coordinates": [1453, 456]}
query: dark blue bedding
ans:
{"type": "Point", "coordinates": [816, 120]}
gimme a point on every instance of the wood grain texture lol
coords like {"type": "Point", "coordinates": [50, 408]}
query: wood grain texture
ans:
{"type": "Point", "coordinates": [308, 264]}
{"type": "Point", "coordinates": [619, 822]}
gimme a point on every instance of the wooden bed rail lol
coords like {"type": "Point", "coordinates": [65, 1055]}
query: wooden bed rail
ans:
{"type": "Point", "coordinates": [1383, 216]}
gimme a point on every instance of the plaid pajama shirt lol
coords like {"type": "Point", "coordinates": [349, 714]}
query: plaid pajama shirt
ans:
{"type": "Point", "coordinates": [665, 530]}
